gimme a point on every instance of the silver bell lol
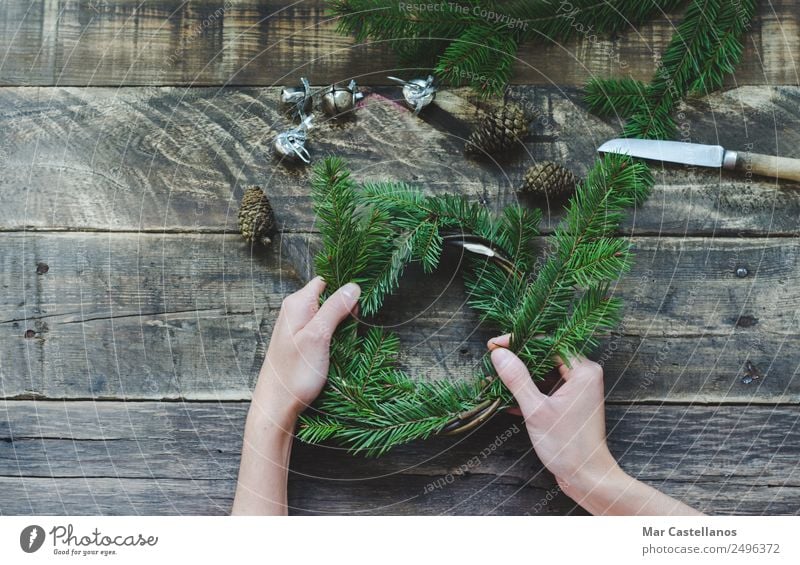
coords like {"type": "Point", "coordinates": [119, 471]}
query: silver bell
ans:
{"type": "Point", "coordinates": [297, 99]}
{"type": "Point", "coordinates": [292, 143]}
{"type": "Point", "coordinates": [337, 100]}
{"type": "Point", "coordinates": [417, 92]}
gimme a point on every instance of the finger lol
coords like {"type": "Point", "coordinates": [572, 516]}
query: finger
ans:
{"type": "Point", "coordinates": [499, 341]}
{"type": "Point", "coordinates": [563, 370]}
{"type": "Point", "coordinates": [586, 370]}
{"type": "Point", "coordinates": [567, 372]}
{"type": "Point", "coordinates": [504, 341]}
{"type": "Point", "coordinates": [335, 309]}
{"type": "Point", "coordinates": [516, 377]}
{"type": "Point", "coordinates": [300, 307]}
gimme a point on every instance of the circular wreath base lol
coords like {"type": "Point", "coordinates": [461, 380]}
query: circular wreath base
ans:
{"type": "Point", "coordinates": [471, 419]}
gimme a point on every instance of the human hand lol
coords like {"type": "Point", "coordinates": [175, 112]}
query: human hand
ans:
{"type": "Point", "coordinates": [568, 432]}
{"type": "Point", "coordinates": [293, 373]}
{"type": "Point", "coordinates": [296, 365]}
{"type": "Point", "coordinates": [567, 428]}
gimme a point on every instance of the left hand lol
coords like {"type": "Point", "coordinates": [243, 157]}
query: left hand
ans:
{"type": "Point", "coordinates": [294, 371]}
{"type": "Point", "coordinates": [296, 365]}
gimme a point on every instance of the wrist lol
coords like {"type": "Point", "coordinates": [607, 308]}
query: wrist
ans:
{"type": "Point", "coordinates": [593, 479]}
{"type": "Point", "coordinates": [272, 415]}
{"type": "Point", "coordinates": [274, 402]}
{"type": "Point", "coordinates": [600, 492]}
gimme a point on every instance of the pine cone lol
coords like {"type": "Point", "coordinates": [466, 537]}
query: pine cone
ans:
{"type": "Point", "coordinates": [549, 179]}
{"type": "Point", "coordinates": [256, 218]}
{"type": "Point", "coordinates": [498, 131]}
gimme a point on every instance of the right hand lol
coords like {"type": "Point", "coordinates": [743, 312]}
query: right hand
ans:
{"type": "Point", "coordinates": [567, 428]}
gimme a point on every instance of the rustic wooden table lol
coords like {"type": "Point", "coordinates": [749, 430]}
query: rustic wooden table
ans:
{"type": "Point", "coordinates": [135, 317]}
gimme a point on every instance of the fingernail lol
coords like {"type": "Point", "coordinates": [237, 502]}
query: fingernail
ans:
{"type": "Point", "coordinates": [351, 291]}
{"type": "Point", "coordinates": [501, 357]}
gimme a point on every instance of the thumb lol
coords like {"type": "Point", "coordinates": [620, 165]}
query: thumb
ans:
{"type": "Point", "coordinates": [516, 377]}
{"type": "Point", "coordinates": [336, 308]}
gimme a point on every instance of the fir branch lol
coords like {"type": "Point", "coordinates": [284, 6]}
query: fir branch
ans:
{"type": "Point", "coordinates": [480, 57]}
{"type": "Point", "coordinates": [334, 198]}
{"type": "Point", "coordinates": [693, 36]}
{"type": "Point", "coordinates": [594, 213]}
{"type": "Point", "coordinates": [519, 227]}
{"type": "Point", "coordinates": [734, 21]}
{"type": "Point", "coordinates": [615, 97]}
{"type": "Point", "coordinates": [593, 312]}
{"type": "Point", "coordinates": [478, 49]}
{"type": "Point", "coordinates": [494, 293]}
{"type": "Point", "coordinates": [705, 47]}
{"type": "Point", "coordinates": [316, 429]}
{"type": "Point", "coordinates": [599, 260]}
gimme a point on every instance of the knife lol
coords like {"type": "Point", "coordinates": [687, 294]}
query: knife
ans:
{"type": "Point", "coordinates": [706, 156]}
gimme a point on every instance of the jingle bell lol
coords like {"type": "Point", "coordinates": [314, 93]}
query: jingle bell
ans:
{"type": "Point", "coordinates": [337, 100]}
{"type": "Point", "coordinates": [292, 143]}
{"type": "Point", "coordinates": [417, 92]}
{"type": "Point", "coordinates": [297, 99]}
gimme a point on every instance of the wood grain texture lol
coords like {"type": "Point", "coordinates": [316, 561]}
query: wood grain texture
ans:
{"type": "Point", "coordinates": [177, 160]}
{"type": "Point", "coordinates": [187, 316]}
{"type": "Point", "coordinates": [167, 303]}
{"type": "Point", "coordinates": [255, 42]}
{"type": "Point", "coordinates": [147, 457]}
{"type": "Point", "coordinates": [473, 496]}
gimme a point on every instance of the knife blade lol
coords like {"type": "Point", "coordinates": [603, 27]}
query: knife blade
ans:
{"type": "Point", "coordinates": [706, 156]}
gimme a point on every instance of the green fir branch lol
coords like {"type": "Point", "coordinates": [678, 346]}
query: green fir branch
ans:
{"type": "Point", "coordinates": [734, 21]}
{"type": "Point", "coordinates": [615, 97]}
{"type": "Point", "coordinates": [476, 41]}
{"type": "Point", "coordinates": [593, 214]}
{"type": "Point", "coordinates": [704, 49]}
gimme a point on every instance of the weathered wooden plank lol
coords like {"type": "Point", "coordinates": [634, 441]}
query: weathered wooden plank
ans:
{"type": "Point", "coordinates": [206, 42]}
{"type": "Point", "coordinates": [148, 316]}
{"type": "Point", "coordinates": [76, 497]}
{"type": "Point", "coordinates": [694, 285]}
{"type": "Point", "coordinates": [106, 496]}
{"type": "Point", "coordinates": [114, 497]}
{"type": "Point", "coordinates": [723, 458]}
{"type": "Point", "coordinates": [249, 42]}
{"type": "Point", "coordinates": [165, 159]}
{"type": "Point", "coordinates": [170, 440]}
{"type": "Point", "coordinates": [137, 314]}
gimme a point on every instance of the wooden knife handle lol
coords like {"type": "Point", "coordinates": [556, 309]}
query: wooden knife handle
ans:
{"type": "Point", "coordinates": [768, 165]}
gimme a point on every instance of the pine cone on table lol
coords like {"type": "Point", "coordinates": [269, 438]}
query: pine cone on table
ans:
{"type": "Point", "coordinates": [498, 132]}
{"type": "Point", "coordinates": [256, 217]}
{"type": "Point", "coordinates": [549, 179]}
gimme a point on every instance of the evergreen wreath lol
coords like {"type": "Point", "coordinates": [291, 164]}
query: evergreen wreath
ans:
{"type": "Point", "coordinates": [371, 232]}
